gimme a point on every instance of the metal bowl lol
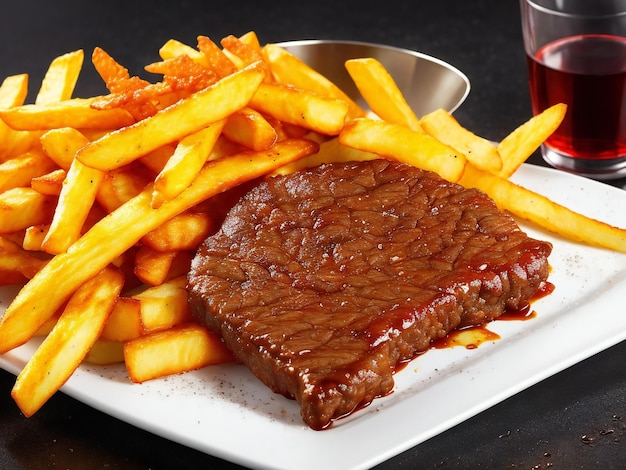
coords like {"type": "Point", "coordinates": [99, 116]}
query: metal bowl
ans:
{"type": "Point", "coordinates": [426, 82]}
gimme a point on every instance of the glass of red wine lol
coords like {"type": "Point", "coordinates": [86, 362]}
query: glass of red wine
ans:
{"type": "Point", "coordinates": [576, 54]}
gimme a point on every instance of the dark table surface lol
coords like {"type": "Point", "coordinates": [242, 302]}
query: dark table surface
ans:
{"type": "Point", "coordinates": [575, 419]}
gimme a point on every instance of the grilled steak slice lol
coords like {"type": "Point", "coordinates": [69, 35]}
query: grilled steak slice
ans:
{"type": "Point", "coordinates": [322, 281]}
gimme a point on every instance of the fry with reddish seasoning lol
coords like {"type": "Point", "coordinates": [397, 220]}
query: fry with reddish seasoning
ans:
{"type": "Point", "coordinates": [119, 148]}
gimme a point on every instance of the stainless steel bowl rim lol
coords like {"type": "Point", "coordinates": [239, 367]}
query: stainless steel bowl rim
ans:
{"type": "Point", "coordinates": [440, 62]}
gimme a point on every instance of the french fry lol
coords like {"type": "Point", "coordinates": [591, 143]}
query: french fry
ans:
{"type": "Point", "coordinates": [14, 258]}
{"type": "Point", "coordinates": [22, 207]}
{"type": "Point", "coordinates": [301, 108]}
{"type": "Point", "coordinates": [250, 129]}
{"type": "Point", "coordinates": [381, 92]}
{"type": "Point", "coordinates": [174, 48]}
{"type": "Point", "coordinates": [20, 170]}
{"type": "Point", "coordinates": [77, 196]}
{"type": "Point", "coordinates": [76, 113]}
{"type": "Point", "coordinates": [252, 40]}
{"type": "Point", "coordinates": [544, 212]}
{"type": "Point", "coordinates": [57, 85]}
{"type": "Point", "coordinates": [105, 353]}
{"type": "Point", "coordinates": [173, 351]}
{"type": "Point", "coordinates": [182, 232]}
{"type": "Point", "coordinates": [157, 159]}
{"type": "Point", "coordinates": [152, 266]}
{"type": "Point", "coordinates": [48, 326]}
{"type": "Point", "coordinates": [124, 227]}
{"type": "Point", "coordinates": [215, 58]}
{"type": "Point", "coordinates": [401, 143]}
{"type": "Point", "coordinates": [13, 92]}
{"type": "Point", "coordinates": [124, 322]}
{"type": "Point", "coordinates": [180, 265]}
{"type": "Point", "coordinates": [246, 53]}
{"type": "Point", "coordinates": [61, 145]}
{"type": "Point", "coordinates": [290, 70]}
{"type": "Point", "coordinates": [115, 76]}
{"type": "Point", "coordinates": [69, 341]}
{"type": "Point", "coordinates": [183, 166]}
{"type": "Point", "coordinates": [164, 306]}
{"type": "Point", "coordinates": [60, 78]}
{"type": "Point", "coordinates": [520, 144]}
{"type": "Point", "coordinates": [121, 185]}
{"type": "Point", "coordinates": [187, 116]}
{"type": "Point", "coordinates": [50, 183]}
{"type": "Point", "coordinates": [331, 151]}
{"type": "Point", "coordinates": [34, 236]}
{"type": "Point", "coordinates": [479, 151]}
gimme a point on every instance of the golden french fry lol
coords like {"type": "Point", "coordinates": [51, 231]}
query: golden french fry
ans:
{"type": "Point", "coordinates": [34, 236]}
{"type": "Point", "coordinates": [164, 306]}
{"type": "Point", "coordinates": [69, 341]}
{"type": "Point", "coordinates": [301, 108]}
{"type": "Point", "coordinates": [60, 79]}
{"type": "Point", "coordinates": [174, 48]}
{"type": "Point", "coordinates": [520, 144]}
{"type": "Point", "coordinates": [182, 232]}
{"type": "Point", "coordinates": [546, 213]}
{"type": "Point", "coordinates": [251, 39]}
{"type": "Point", "coordinates": [173, 351]}
{"type": "Point", "coordinates": [152, 266]}
{"type": "Point", "coordinates": [183, 118]}
{"type": "Point", "coordinates": [50, 183]}
{"type": "Point", "coordinates": [381, 92]}
{"type": "Point", "coordinates": [180, 265]}
{"type": "Point", "coordinates": [75, 201]}
{"type": "Point", "coordinates": [331, 151]}
{"type": "Point", "coordinates": [401, 143]}
{"type": "Point", "coordinates": [14, 258]}
{"type": "Point", "coordinates": [61, 145]}
{"type": "Point", "coordinates": [121, 185]}
{"type": "Point", "coordinates": [48, 326]}
{"type": "Point", "coordinates": [20, 170]}
{"type": "Point", "coordinates": [183, 166]}
{"type": "Point", "coordinates": [13, 91]}
{"type": "Point", "coordinates": [124, 227]}
{"type": "Point", "coordinates": [250, 129]}
{"type": "Point", "coordinates": [157, 159]}
{"type": "Point", "coordinates": [23, 207]}
{"type": "Point", "coordinates": [479, 152]}
{"type": "Point", "coordinates": [105, 352]}
{"type": "Point", "coordinates": [124, 322]}
{"type": "Point", "coordinates": [290, 70]}
{"type": "Point", "coordinates": [75, 112]}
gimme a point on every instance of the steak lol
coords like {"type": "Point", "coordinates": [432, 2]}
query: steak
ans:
{"type": "Point", "coordinates": [321, 282]}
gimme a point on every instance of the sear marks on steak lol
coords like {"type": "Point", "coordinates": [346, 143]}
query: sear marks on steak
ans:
{"type": "Point", "coordinates": [322, 281]}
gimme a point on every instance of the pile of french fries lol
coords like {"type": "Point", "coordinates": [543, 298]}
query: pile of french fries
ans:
{"type": "Point", "coordinates": [104, 200]}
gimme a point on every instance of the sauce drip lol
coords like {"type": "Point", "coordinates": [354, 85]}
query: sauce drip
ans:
{"type": "Point", "coordinates": [473, 336]}
{"type": "Point", "coordinates": [470, 338]}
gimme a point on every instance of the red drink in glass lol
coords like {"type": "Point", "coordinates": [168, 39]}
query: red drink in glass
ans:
{"type": "Point", "coordinates": [588, 73]}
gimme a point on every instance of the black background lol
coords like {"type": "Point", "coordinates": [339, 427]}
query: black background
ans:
{"type": "Point", "coordinates": [576, 419]}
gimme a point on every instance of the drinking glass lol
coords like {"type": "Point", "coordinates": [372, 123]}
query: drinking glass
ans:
{"type": "Point", "coordinates": [576, 54]}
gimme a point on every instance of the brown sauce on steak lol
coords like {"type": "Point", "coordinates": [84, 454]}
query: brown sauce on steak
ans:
{"type": "Point", "coordinates": [323, 281]}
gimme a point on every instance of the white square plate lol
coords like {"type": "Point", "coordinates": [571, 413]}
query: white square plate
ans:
{"type": "Point", "coordinates": [225, 411]}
